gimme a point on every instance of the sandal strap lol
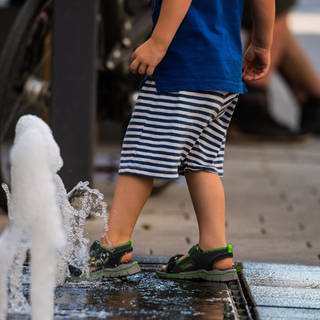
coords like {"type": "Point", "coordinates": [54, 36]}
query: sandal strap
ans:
{"type": "Point", "coordinates": [198, 259]}
{"type": "Point", "coordinates": [173, 261]}
{"type": "Point", "coordinates": [108, 257]}
{"type": "Point", "coordinates": [204, 259]}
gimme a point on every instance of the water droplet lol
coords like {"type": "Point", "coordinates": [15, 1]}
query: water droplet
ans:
{"type": "Point", "coordinates": [182, 205]}
{"type": "Point", "coordinates": [188, 241]}
{"type": "Point", "coordinates": [273, 182]}
{"type": "Point", "coordinates": [263, 230]}
{"type": "Point", "coordinates": [301, 226]}
{"type": "Point", "coordinates": [314, 190]}
{"type": "Point", "coordinates": [308, 244]}
{"type": "Point", "coordinates": [261, 219]}
{"type": "Point", "coordinates": [186, 216]}
{"type": "Point", "coordinates": [289, 207]}
{"type": "Point", "coordinates": [283, 196]}
{"type": "Point", "coordinates": [146, 226]}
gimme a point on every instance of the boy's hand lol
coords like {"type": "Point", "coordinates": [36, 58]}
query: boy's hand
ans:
{"type": "Point", "coordinates": [256, 63]}
{"type": "Point", "coordinates": [146, 57]}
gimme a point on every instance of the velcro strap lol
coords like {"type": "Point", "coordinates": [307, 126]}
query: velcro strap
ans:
{"type": "Point", "coordinates": [173, 262]}
{"type": "Point", "coordinates": [100, 255]}
{"type": "Point", "coordinates": [205, 259]}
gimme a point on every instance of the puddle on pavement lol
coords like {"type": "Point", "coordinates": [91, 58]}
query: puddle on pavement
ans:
{"type": "Point", "coordinates": [142, 296]}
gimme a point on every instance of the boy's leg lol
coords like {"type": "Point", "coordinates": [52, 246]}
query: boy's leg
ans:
{"type": "Point", "coordinates": [131, 193]}
{"type": "Point", "coordinates": [207, 194]}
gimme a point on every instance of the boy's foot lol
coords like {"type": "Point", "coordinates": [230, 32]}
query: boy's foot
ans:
{"type": "Point", "coordinates": [198, 264]}
{"type": "Point", "coordinates": [109, 262]}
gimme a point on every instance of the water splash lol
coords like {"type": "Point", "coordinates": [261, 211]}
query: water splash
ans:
{"type": "Point", "coordinates": [76, 206]}
{"type": "Point", "coordinates": [44, 219]}
{"type": "Point", "coordinates": [86, 202]}
{"type": "Point", "coordinates": [16, 301]}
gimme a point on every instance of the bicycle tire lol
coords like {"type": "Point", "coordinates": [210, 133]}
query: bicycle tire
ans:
{"type": "Point", "coordinates": [14, 45]}
{"type": "Point", "coordinates": [11, 56]}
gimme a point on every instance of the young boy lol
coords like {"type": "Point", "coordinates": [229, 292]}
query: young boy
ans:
{"type": "Point", "coordinates": [193, 67]}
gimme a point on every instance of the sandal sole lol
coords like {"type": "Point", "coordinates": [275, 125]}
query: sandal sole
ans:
{"type": "Point", "coordinates": [213, 275]}
{"type": "Point", "coordinates": [122, 270]}
{"type": "Point", "coordinates": [219, 275]}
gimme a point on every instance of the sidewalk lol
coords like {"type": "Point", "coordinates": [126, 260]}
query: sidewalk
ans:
{"type": "Point", "coordinates": [273, 202]}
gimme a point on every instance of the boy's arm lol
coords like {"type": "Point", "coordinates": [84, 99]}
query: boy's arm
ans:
{"type": "Point", "coordinates": [147, 56]}
{"type": "Point", "coordinates": [256, 61]}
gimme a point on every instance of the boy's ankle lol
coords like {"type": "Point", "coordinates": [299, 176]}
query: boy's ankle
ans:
{"type": "Point", "coordinates": [111, 242]}
{"type": "Point", "coordinates": [209, 245]}
{"type": "Point", "coordinates": [107, 243]}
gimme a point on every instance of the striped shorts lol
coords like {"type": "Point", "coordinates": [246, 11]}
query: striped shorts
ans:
{"type": "Point", "coordinates": [174, 132]}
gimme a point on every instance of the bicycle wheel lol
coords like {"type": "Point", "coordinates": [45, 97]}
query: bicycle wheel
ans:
{"type": "Point", "coordinates": [24, 73]}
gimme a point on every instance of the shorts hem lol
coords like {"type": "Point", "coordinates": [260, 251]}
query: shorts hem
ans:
{"type": "Point", "coordinates": [147, 174]}
{"type": "Point", "coordinates": [206, 169]}
{"type": "Point", "coordinates": [181, 172]}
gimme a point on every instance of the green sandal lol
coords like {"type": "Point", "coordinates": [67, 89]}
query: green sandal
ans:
{"type": "Point", "coordinates": [198, 265]}
{"type": "Point", "coordinates": [106, 262]}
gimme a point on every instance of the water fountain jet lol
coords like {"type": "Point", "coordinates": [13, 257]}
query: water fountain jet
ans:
{"type": "Point", "coordinates": [43, 220]}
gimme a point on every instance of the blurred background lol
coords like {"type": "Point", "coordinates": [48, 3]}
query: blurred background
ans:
{"type": "Point", "coordinates": [75, 75]}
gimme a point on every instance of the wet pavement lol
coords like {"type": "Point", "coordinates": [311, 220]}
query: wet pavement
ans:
{"type": "Point", "coordinates": [264, 291]}
{"type": "Point", "coordinates": [144, 296]}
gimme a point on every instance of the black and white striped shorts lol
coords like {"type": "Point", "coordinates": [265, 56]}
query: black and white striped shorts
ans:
{"type": "Point", "coordinates": [174, 132]}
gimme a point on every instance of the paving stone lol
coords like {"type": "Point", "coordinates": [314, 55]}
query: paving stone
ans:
{"type": "Point", "coordinates": [283, 288]}
{"type": "Point", "coordinates": [270, 313]}
{"type": "Point", "coordinates": [282, 275]}
{"type": "Point", "coordinates": [285, 297]}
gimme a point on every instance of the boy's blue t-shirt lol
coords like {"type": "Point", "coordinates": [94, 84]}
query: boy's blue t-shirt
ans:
{"type": "Point", "coordinates": [206, 52]}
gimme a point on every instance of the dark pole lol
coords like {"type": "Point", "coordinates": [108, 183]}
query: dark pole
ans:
{"type": "Point", "coordinates": [74, 86]}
